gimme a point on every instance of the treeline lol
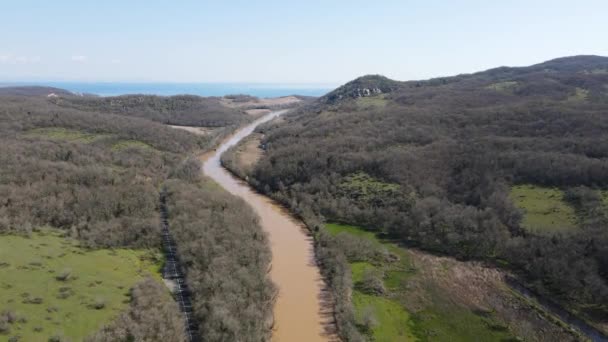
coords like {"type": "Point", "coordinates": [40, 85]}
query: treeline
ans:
{"type": "Point", "coordinates": [438, 158]}
{"type": "Point", "coordinates": [182, 110]}
{"type": "Point", "coordinates": [226, 257]}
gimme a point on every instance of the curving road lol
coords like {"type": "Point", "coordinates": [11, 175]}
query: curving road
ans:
{"type": "Point", "coordinates": [300, 313]}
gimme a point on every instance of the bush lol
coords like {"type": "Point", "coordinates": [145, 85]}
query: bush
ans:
{"type": "Point", "coordinates": [372, 283]}
{"type": "Point", "coordinates": [99, 304]}
{"type": "Point", "coordinates": [65, 292]}
{"type": "Point", "coordinates": [33, 300]}
{"type": "Point", "coordinates": [368, 319]}
{"type": "Point", "coordinates": [58, 338]}
{"type": "Point", "coordinates": [65, 275]}
{"type": "Point", "coordinates": [5, 327]}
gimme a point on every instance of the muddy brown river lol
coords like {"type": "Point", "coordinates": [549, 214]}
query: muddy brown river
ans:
{"type": "Point", "coordinates": [300, 313]}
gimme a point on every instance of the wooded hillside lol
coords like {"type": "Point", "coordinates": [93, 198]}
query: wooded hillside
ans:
{"type": "Point", "coordinates": [432, 163]}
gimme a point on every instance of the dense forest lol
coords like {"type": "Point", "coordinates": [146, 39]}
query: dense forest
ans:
{"type": "Point", "coordinates": [95, 169]}
{"type": "Point", "coordinates": [431, 163]}
{"type": "Point", "coordinates": [182, 110]}
{"type": "Point", "coordinates": [226, 257]}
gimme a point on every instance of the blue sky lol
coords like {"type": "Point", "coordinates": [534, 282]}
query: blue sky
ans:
{"type": "Point", "coordinates": [286, 41]}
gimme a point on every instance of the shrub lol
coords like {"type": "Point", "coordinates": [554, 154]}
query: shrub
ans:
{"type": "Point", "coordinates": [33, 300]}
{"type": "Point", "coordinates": [58, 338]}
{"type": "Point", "coordinates": [9, 316]}
{"type": "Point", "coordinates": [372, 283]}
{"type": "Point", "coordinates": [65, 292]}
{"type": "Point", "coordinates": [5, 327]}
{"type": "Point", "coordinates": [369, 319]}
{"type": "Point", "coordinates": [65, 275]}
{"type": "Point", "coordinates": [99, 304]}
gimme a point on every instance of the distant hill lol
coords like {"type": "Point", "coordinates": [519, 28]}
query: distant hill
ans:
{"type": "Point", "coordinates": [33, 91]}
{"type": "Point", "coordinates": [183, 110]}
{"type": "Point", "coordinates": [369, 85]}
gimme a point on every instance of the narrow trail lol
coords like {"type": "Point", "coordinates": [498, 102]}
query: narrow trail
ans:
{"type": "Point", "coordinates": [173, 273]}
{"type": "Point", "coordinates": [302, 311]}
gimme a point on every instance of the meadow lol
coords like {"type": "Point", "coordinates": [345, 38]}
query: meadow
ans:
{"type": "Point", "coordinates": [52, 287]}
{"type": "Point", "coordinates": [545, 210]}
{"type": "Point", "coordinates": [404, 310]}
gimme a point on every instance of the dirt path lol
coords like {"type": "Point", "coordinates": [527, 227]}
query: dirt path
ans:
{"type": "Point", "coordinates": [300, 312]}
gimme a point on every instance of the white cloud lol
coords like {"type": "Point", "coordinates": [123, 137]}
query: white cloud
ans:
{"type": "Point", "coordinates": [79, 58]}
{"type": "Point", "coordinates": [115, 61]}
{"type": "Point", "coordinates": [4, 59]}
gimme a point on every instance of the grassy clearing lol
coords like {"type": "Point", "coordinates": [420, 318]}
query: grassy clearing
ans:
{"type": "Point", "coordinates": [504, 87]}
{"type": "Point", "coordinates": [368, 189]}
{"type": "Point", "coordinates": [65, 134]}
{"type": "Point", "coordinates": [604, 194]}
{"type": "Point", "coordinates": [545, 209]}
{"type": "Point", "coordinates": [436, 317]}
{"type": "Point", "coordinates": [372, 102]}
{"type": "Point", "coordinates": [597, 71]}
{"type": "Point", "coordinates": [61, 289]}
{"type": "Point", "coordinates": [579, 95]}
{"type": "Point", "coordinates": [393, 322]}
{"type": "Point", "coordinates": [444, 321]}
{"type": "Point", "coordinates": [59, 133]}
{"type": "Point", "coordinates": [126, 144]}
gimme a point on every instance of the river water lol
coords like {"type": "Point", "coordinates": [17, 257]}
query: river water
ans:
{"type": "Point", "coordinates": [300, 313]}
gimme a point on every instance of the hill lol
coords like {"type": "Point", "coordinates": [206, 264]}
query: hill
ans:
{"type": "Point", "coordinates": [453, 164]}
{"type": "Point", "coordinates": [32, 91]}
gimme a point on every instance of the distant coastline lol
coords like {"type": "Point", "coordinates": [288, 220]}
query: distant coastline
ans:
{"type": "Point", "coordinates": [168, 89]}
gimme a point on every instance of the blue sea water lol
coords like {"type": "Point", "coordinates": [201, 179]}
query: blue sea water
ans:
{"type": "Point", "coordinates": [202, 89]}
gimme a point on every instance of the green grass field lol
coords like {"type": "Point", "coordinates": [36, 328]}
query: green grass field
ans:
{"type": "Point", "coordinates": [66, 134]}
{"type": "Point", "coordinates": [59, 133]}
{"type": "Point", "coordinates": [545, 210]}
{"type": "Point", "coordinates": [372, 102]}
{"type": "Point", "coordinates": [579, 95]}
{"type": "Point", "coordinates": [366, 188]}
{"type": "Point", "coordinates": [393, 322]}
{"type": "Point", "coordinates": [124, 144]}
{"type": "Point", "coordinates": [604, 194]}
{"type": "Point", "coordinates": [438, 317]}
{"type": "Point", "coordinates": [504, 87]}
{"type": "Point", "coordinates": [94, 291]}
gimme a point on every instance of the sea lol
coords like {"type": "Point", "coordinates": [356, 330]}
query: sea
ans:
{"type": "Point", "coordinates": [201, 89]}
